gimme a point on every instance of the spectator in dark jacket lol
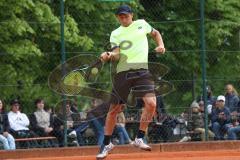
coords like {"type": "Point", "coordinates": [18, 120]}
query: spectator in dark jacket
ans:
{"type": "Point", "coordinates": [232, 99]}
{"type": "Point", "coordinates": [6, 138]}
{"type": "Point", "coordinates": [220, 118]}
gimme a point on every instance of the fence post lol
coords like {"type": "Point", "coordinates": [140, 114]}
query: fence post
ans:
{"type": "Point", "coordinates": [203, 59]}
{"type": "Point", "coordinates": [63, 58]}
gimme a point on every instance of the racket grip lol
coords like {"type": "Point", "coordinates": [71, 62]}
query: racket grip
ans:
{"type": "Point", "coordinates": [108, 53]}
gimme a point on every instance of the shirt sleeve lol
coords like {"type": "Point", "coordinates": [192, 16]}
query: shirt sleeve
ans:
{"type": "Point", "coordinates": [114, 41]}
{"type": "Point", "coordinates": [147, 27]}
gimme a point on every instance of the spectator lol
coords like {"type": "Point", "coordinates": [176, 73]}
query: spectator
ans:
{"type": "Point", "coordinates": [5, 137]}
{"type": "Point", "coordinates": [232, 99]}
{"type": "Point", "coordinates": [210, 98]}
{"type": "Point", "coordinates": [18, 121]}
{"type": "Point", "coordinates": [209, 110]}
{"type": "Point", "coordinates": [73, 122]}
{"type": "Point", "coordinates": [19, 124]}
{"type": "Point", "coordinates": [96, 117]}
{"type": "Point", "coordinates": [41, 121]}
{"type": "Point", "coordinates": [234, 128]}
{"type": "Point", "coordinates": [121, 130]}
{"type": "Point", "coordinates": [196, 121]}
{"type": "Point", "coordinates": [220, 118]}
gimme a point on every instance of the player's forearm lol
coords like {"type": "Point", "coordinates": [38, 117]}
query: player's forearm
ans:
{"type": "Point", "coordinates": [158, 38]}
{"type": "Point", "coordinates": [115, 54]}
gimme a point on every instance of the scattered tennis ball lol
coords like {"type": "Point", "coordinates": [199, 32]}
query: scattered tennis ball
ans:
{"type": "Point", "coordinates": [94, 70]}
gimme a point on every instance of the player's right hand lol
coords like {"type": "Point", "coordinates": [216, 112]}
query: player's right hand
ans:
{"type": "Point", "coordinates": [105, 56]}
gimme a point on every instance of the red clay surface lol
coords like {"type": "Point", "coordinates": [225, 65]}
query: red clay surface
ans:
{"type": "Point", "coordinates": [216, 150]}
{"type": "Point", "coordinates": [184, 155]}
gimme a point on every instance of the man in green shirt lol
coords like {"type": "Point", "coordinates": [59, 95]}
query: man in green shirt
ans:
{"type": "Point", "coordinates": [132, 73]}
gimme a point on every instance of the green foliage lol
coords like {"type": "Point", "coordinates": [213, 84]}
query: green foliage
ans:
{"type": "Point", "coordinates": [179, 24]}
{"type": "Point", "coordinates": [30, 42]}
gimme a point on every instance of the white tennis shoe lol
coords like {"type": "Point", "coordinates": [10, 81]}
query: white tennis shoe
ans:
{"type": "Point", "coordinates": [138, 142]}
{"type": "Point", "coordinates": [104, 150]}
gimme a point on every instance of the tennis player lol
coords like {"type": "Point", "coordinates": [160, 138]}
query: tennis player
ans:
{"type": "Point", "coordinates": [132, 74]}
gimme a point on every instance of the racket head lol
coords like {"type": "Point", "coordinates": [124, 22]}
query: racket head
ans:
{"type": "Point", "coordinates": [55, 78]}
{"type": "Point", "coordinates": [158, 70]}
{"type": "Point", "coordinates": [73, 82]}
{"type": "Point", "coordinates": [163, 87]}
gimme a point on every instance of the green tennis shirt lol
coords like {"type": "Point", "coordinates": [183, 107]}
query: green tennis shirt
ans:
{"type": "Point", "coordinates": [133, 44]}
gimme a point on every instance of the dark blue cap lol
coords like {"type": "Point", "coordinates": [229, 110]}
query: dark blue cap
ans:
{"type": "Point", "coordinates": [124, 9]}
{"type": "Point", "coordinates": [14, 101]}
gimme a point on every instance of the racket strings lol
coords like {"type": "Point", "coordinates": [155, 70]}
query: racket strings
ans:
{"type": "Point", "coordinates": [73, 82]}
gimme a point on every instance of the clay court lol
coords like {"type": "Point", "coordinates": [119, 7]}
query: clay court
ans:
{"type": "Point", "coordinates": [227, 150]}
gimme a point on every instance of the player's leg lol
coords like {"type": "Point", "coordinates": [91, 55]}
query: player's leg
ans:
{"type": "Point", "coordinates": [110, 123]}
{"type": "Point", "coordinates": [146, 117]}
{"type": "Point", "coordinates": [112, 118]}
{"type": "Point", "coordinates": [121, 89]}
{"type": "Point", "coordinates": [144, 88]}
{"type": "Point", "coordinates": [148, 111]}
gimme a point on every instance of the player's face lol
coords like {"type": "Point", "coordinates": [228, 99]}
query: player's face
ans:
{"type": "Point", "coordinates": [125, 19]}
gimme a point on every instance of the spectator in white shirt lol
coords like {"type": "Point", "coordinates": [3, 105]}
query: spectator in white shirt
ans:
{"type": "Point", "coordinates": [18, 121]}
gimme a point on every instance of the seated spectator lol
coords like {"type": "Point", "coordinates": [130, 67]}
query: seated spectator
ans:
{"type": "Point", "coordinates": [209, 110]}
{"type": "Point", "coordinates": [211, 100]}
{"type": "Point", "coordinates": [41, 122]}
{"type": "Point", "coordinates": [220, 118]}
{"type": "Point", "coordinates": [196, 121]}
{"type": "Point", "coordinates": [120, 129]}
{"type": "Point", "coordinates": [72, 120]}
{"type": "Point", "coordinates": [234, 129]}
{"type": "Point", "coordinates": [96, 116]}
{"type": "Point", "coordinates": [5, 137]}
{"type": "Point", "coordinates": [232, 99]}
{"type": "Point", "coordinates": [19, 123]}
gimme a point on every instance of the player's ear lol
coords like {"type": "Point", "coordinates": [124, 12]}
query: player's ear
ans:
{"type": "Point", "coordinates": [132, 15]}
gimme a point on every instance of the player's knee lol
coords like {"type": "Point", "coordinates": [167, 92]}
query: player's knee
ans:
{"type": "Point", "coordinates": [150, 105]}
{"type": "Point", "coordinates": [150, 101]}
{"type": "Point", "coordinates": [114, 110]}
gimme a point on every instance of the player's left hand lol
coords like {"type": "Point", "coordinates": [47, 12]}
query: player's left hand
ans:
{"type": "Point", "coordinates": [160, 49]}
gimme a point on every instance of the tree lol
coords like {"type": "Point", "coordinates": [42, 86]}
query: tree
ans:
{"type": "Point", "coordinates": [179, 24]}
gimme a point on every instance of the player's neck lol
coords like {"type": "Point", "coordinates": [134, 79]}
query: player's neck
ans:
{"type": "Point", "coordinates": [127, 24]}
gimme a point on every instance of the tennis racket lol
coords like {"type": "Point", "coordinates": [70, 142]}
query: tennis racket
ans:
{"type": "Point", "coordinates": [76, 80]}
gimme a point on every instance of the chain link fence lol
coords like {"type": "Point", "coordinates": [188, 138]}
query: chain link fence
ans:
{"type": "Point", "coordinates": [30, 51]}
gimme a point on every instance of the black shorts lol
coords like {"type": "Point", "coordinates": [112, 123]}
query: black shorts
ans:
{"type": "Point", "coordinates": [138, 82]}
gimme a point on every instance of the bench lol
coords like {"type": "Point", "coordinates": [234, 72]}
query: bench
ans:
{"type": "Point", "coordinates": [34, 138]}
{"type": "Point", "coordinates": [44, 139]}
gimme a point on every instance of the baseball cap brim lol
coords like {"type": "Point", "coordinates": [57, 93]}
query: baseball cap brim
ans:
{"type": "Point", "coordinates": [123, 12]}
